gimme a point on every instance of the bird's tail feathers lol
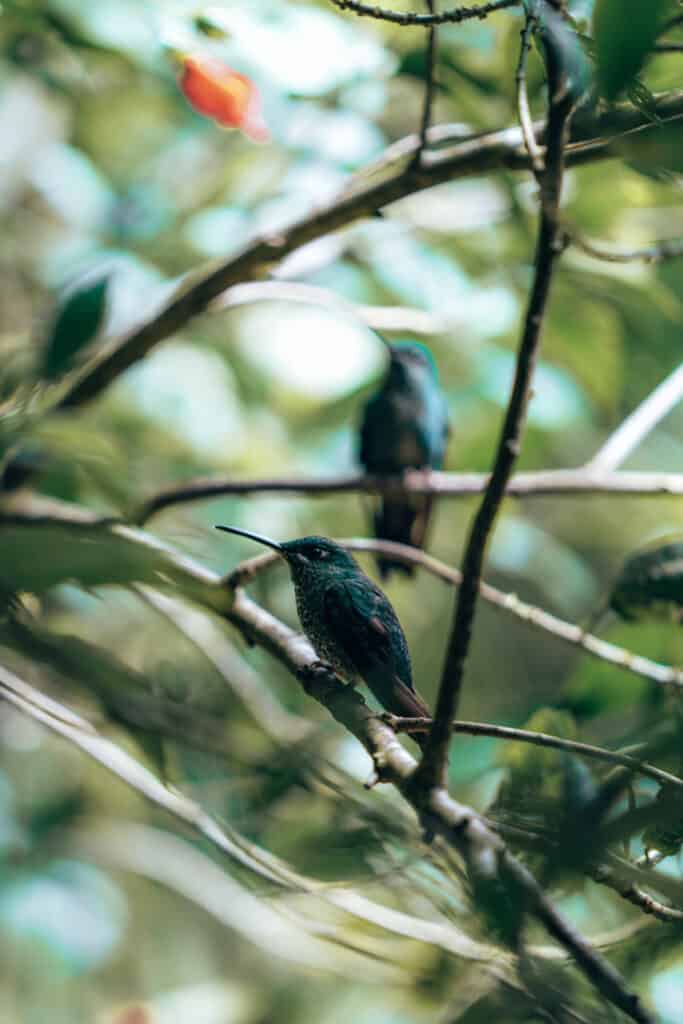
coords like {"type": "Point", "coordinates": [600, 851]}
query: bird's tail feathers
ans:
{"type": "Point", "coordinates": [395, 521]}
{"type": "Point", "coordinates": [399, 699]}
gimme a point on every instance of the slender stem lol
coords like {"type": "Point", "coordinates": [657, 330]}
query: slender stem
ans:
{"type": "Point", "coordinates": [525, 119]}
{"type": "Point", "coordinates": [430, 57]}
{"type": "Point", "coordinates": [638, 425]}
{"type": "Point", "coordinates": [542, 483]}
{"type": "Point", "coordinates": [433, 766]}
{"type": "Point", "coordinates": [456, 15]}
{"type": "Point", "coordinates": [541, 739]}
{"type": "Point", "coordinates": [605, 875]}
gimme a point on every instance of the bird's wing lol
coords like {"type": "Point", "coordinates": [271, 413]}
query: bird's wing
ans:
{"type": "Point", "coordinates": [373, 431]}
{"type": "Point", "coordinates": [365, 627]}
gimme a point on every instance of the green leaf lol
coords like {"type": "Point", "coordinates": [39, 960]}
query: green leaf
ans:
{"type": "Point", "coordinates": [39, 552]}
{"type": "Point", "coordinates": [563, 47]}
{"type": "Point", "coordinates": [624, 32]}
{"type": "Point", "coordinates": [78, 320]}
{"type": "Point", "coordinates": [651, 582]}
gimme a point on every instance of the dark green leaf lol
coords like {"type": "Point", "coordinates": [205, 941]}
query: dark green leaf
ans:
{"type": "Point", "coordinates": [39, 553]}
{"type": "Point", "coordinates": [624, 33]}
{"type": "Point", "coordinates": [78, 320]}
{"type": "Point", "coordinates": [650, 581]}
{"type": "Point", "coordinates": [563, 47]}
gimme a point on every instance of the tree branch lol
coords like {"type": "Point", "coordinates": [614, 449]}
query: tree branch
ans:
{"type": "Point", "coordinates": [434, 762]}
{"type": "Point", "coordinates": [457, 15]}
{"type": "Point", "coordinates": [540, 739]}
{"type": "Point", "coordinates": [542, 483]}
{"type": "Point", "coordinates": [638, 425]}
{"type": "Point", "coordinates": [606, 875]}
{"type": "Point", "coordinates": [429, 87]}
{"type": "Point", "coordinates": [489, 152]}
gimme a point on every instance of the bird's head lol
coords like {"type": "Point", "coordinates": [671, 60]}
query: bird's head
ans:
{"type": "Point", "coordinates": [409, 361]}
{"type": "Point", "coordinates": [306, 556]}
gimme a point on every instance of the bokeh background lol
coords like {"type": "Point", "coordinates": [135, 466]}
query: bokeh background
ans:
{"type": "Point", "coordinates": [106, 169]}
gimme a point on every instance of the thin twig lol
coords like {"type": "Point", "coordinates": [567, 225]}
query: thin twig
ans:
{"type": "Point", "coordinates": [658, 252]}
{"type": "Point", "coordinates": [433, 766]}
{"type": "Point", "coordinates": [542, 483]}
{"type": "Point", "coordinates": [474, 156]}
{"type": "Point", "coordinates": [457, 15]}
{"type": "Point", "coordinates": [525, 119]}
{"type": "Point", "coordinates": [541, 739]}
{"type": "Point", "coordinates": [430, 57]}
{"type": "Point", "coordinates": [638, 425]}
{"type": "Point", "coordinates": [605, 875]}
{"type": "Point", "coordinates": [668, 48]}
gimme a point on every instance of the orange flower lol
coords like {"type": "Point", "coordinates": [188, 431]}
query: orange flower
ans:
{"type": "Point", "coordinates": [216, 91]}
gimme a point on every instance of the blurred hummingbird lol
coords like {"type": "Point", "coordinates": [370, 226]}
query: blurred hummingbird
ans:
{"type": "Point", "coordinates": [349, 621]}
{"type": "Point", "coordinates": [405, 426]}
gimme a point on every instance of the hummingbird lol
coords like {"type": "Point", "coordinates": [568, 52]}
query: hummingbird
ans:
{"type": "Point", "coordinates": [404, 426]}
{"type": "Point", "coordinates": [349, 621]}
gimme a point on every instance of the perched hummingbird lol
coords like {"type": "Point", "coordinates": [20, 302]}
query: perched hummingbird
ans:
{"type": "Point", "coordinates": [405, 426]}
{"type": "Point", "coordinates": [348, 619]}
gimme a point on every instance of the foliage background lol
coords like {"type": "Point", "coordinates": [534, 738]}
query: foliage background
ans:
{"type": "Point", "coordinates": [106, 168]}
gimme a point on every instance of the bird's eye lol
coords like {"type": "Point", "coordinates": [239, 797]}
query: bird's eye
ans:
{"type": "Point", "coordinates": [319, 554]}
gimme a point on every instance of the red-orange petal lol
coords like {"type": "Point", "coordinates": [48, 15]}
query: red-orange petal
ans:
{"type": "Point", "coordinates": [217, 91]}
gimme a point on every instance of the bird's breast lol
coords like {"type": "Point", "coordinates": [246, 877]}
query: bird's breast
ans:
{"type": "Point", "coordinates": [311, 608]}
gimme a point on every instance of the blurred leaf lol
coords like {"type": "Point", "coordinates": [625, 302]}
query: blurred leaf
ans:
{"type": "Point", "coordinates": [72, 910]}
{"type": "Point", "coordinates": [624, 32]}
{"type": "Point", "coordinates": [666, 835]}
{"type": "Point", "coordinates": [76, 325]}
{"type": "Point", "coordinates": [563, 46]}
{"type": "Point", "coordinates": [36, 554]}
{"type": "Point", "coordinates": [651, 582]}
{"type": "Point", "coordinates": [656, 152]}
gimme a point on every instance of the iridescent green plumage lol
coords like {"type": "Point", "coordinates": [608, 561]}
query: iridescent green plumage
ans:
{"type": "Point", "coordinates": [405, 426]}
{"type": "Point", "coordinates": [349, 621]}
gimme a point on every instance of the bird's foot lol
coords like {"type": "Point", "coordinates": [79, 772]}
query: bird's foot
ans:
{"type": "Point", "coordinates": [315, 672]}
{"type": "Point", "coordinates": [390, 719]}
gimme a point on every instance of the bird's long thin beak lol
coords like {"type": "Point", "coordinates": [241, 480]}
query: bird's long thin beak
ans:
{"type": "Point", "coordinates": [253, 536]}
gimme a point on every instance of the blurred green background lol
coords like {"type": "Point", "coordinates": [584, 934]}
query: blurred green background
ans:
{"type": "Point", "coordinates": [107, 170]}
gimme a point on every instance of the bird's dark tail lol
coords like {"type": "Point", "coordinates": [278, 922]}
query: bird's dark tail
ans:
{"type": "Point", "coordinates": [399, 699]}
{"type": "Point", "coordinates": [405, 523]}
